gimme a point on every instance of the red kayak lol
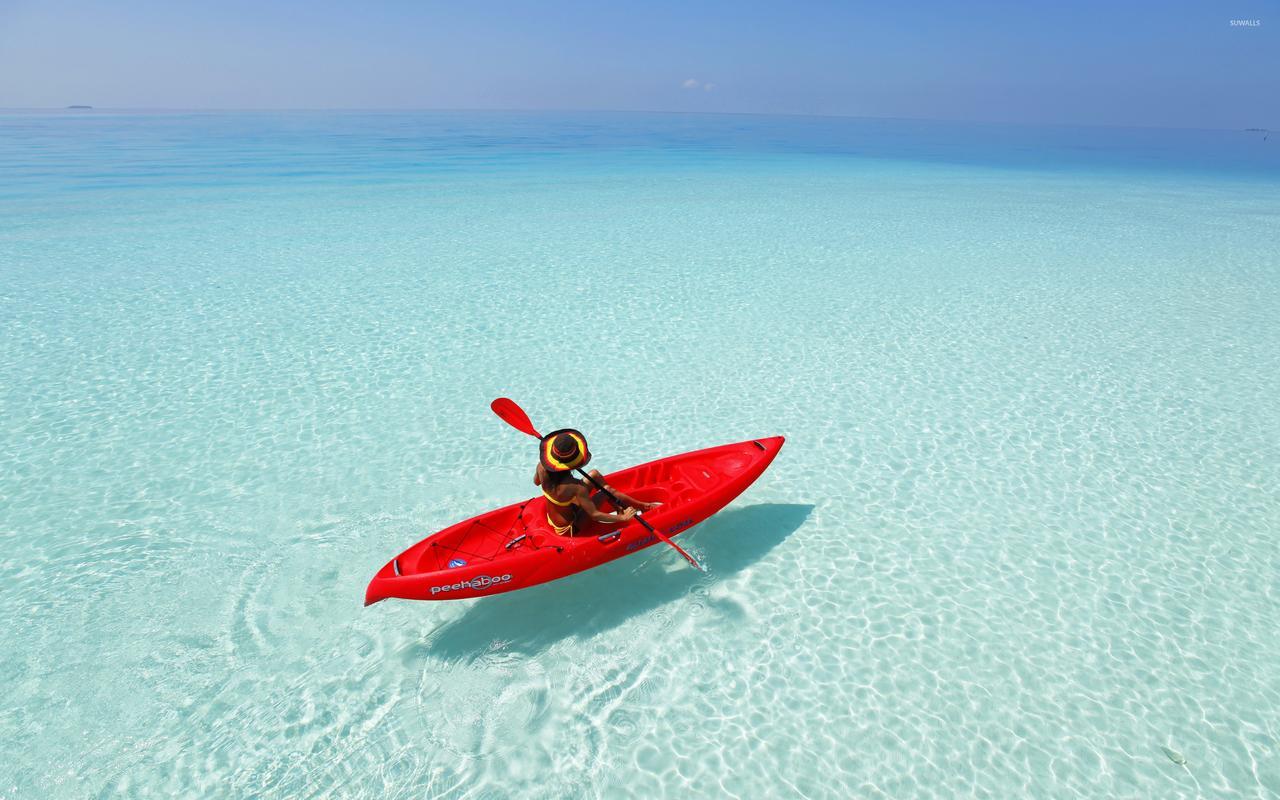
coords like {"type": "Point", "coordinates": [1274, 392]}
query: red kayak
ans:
{"type": "Point", "coordinates": [513, 547]}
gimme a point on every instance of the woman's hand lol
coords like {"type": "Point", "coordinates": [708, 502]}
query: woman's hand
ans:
{"type": "Point", "coordinates": [627, 516]}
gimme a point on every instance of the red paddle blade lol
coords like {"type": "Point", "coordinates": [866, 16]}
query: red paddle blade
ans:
{"type": "Point", "coordinates": [514, 416]}
{"type": "Point", "coordinates": [681, 551]}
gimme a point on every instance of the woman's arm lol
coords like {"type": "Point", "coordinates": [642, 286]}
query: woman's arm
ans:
{"type": "Point", "coordinates": [624, 499]}
{"type": "Point", "coordinates": [583, 500]}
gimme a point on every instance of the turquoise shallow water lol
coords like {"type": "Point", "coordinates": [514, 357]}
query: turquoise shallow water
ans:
{"type": "Point", "coordinates": [1021, 542]}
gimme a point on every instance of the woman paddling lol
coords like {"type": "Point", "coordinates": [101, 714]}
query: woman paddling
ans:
{"type": "Point", "coordinates": [569, 499]}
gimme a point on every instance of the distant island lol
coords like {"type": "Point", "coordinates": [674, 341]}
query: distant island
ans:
{"type": "Point", "coordinates": [80, 108]}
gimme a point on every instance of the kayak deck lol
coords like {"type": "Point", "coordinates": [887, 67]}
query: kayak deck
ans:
{"type": "Point", "coordinates": [513, 547]}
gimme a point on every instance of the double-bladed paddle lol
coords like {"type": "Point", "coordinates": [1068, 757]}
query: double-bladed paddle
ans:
{"type": "Point", "coordinates": [514, 416]}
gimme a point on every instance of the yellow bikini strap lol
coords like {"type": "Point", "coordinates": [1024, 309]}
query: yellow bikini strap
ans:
{"type": "Point", "coordinates": [559, 530]}
{"type": "Point", "coordinates": [554, 501]}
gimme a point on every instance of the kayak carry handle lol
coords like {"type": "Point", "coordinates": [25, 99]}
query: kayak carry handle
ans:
{"type": "Point", "coordinates": [517, 540]}
{"type": "Point", "coordinates": [612, 536]}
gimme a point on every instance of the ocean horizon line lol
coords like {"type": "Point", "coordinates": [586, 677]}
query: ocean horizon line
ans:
{"type": "Point", "coordinates": [159, 110]}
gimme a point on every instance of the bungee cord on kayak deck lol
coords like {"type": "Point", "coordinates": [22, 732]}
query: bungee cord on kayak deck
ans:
{"type": "Point", "coordinates": [504, 539]}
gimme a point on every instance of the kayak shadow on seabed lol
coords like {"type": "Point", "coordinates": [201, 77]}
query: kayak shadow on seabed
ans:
{"type": "Point", "coordinates": [531, 620]}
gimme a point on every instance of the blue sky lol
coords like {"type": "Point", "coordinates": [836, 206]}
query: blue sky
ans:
{"type": "Point", "coordinates": [1162, 64]}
